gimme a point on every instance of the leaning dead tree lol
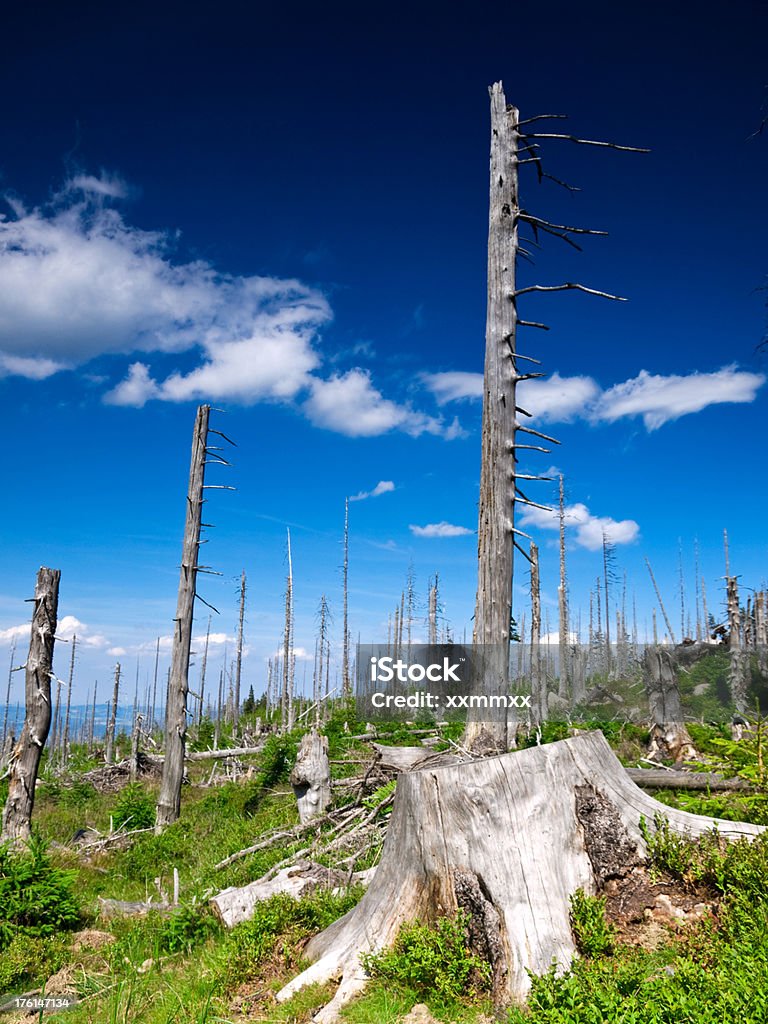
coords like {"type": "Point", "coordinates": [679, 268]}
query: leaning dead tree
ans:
{"type": "Point", "coordinates": [513, 144]}
{"type": "Point", "coordinates": [25, 758]}
{"type": "Point", "coordinates": [169, 800]}
{"type": "Point", "coordinates": [442, 854]}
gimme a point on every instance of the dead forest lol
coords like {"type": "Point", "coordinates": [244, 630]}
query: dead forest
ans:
{"type": "Point", "coordinates": [250, 848]}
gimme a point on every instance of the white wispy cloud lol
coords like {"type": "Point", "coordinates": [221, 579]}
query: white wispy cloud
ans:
{"type": "Point", "coordinates": [442, 529]}
{"type": "Point", "coordinates": [583, 527]}
{"type": "Point", "coordinates": [382, 487]}
{"type": "Point", "coordinates": [661, 399]}
{"type": "Point", "coordinates": [69, 626]}
{"type": "Point", "coordinates": [657, 398]}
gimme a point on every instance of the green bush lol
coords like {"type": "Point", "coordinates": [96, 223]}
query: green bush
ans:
{"type": "Point", "coordinates": [36, 898]}
{"type": "Point", "coordinates": [593, 935]}
{"type": "Point", "coordinates": [280, 925]}
{"type": "Point", "coordinates": [433, 961]}
{"type": "Point", "coordinates": [27, 960]}
{"type": "Point", "coordinates": [185, 928]}
{"type": "Point", "coordinates": [134, 808]}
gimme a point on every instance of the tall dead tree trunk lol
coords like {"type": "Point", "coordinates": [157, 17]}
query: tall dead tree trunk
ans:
{"type": "Point", "coordinates": [70, 683]}
{"type": "Point", "coordinates": [433, 611]}
{"type": "Point", "coordinates": [539, 703]}
{"type": "Point", "coordinates": [488, 838]}
{"type": "Point", "coordinates": [169, 800]}
{"type": "Point", "coordinates": [346, 681]}
{"type": "Point", "coordinates": [25, 759]}
{"type": "Point", "coordinates": [738, 671]}
{"type": "Point", "coordinates": [239, 655]}
{"type": "Point", "coordinates": [203, 671]}
{"type": "Point", "coordinates": [661, 604]}
{"type": "Point", "coordinates": [109, 754]}
{"type": "Point", "coordinates": [562, 604]}
{"type": "Point", "coordinates": [287, 709]}
{"type": "Point", "coordinates": [496, 521]}
{"type": "Point", "coordinates": [8, 695]}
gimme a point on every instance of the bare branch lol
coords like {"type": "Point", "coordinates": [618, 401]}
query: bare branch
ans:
{"type": "Point", "coordinates": [568, 286]}
{"type": "Point", "coordinates": [219, 432]}
{"type": "Point", "coordinates": [207, 604]}
{"type": "Point", "coordinates": [541, 117]}
{"type": "Point", "coordinates": [536, 433]}
{"type": "Point", "coordinates": [532, 323]}
{"type": "Point", "coordinates": [531, 218]}
{"type": "Point", "coordinates": [586, 142]}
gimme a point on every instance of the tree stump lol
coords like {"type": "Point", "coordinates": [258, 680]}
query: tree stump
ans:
{"type": "Point", "coordinates": [669, 736]}
{"type": "Point", "coordinates": [311, 776]}
{"type": "Point", "coordinates": [508, 839]}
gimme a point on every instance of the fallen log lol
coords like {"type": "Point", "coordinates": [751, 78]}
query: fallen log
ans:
{"type": "Point", "coordinates": [237, 904]}
{"type": "Point", "coordinates": [127, 908]}
{"type": "Point", "coordinates": [658, 778]}
{"type": "Point", "coordinates": [215, 755]}
{"type": "Point", "coordinates": [508, 840]}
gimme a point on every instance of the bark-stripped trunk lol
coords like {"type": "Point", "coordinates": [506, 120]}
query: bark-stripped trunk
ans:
{"type": "Point", "coordinates": [169, 800]}
{"type": "Point", "coordinates": [109, 754]}
{"type": "Point", "coordinates": [489, 837]}
{"type": "Point", "coordinates": [346, 681]}
{"type": "Point", "coordinates": [203, 671]}
{"type": "Point", "coordinates": [562, 605]}
{"type": "Point", "coordinates": [25, 759]}
{"type": "Point", "coordinates": [433, 612]}
{"type": "Point", "coordinates": [287, 711]}
{"type": "Point", "coordinates": [70, 683]}
{"type": "Point", "coordinates": [493, 605]}
{"type": "Point", "coordinates": [539, 704]}
{"type": "Point", "coordinates": [738, 673]}
{"type": "Point", "coordinates": [239, 661]}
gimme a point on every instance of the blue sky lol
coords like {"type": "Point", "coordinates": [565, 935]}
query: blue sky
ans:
{"type": "Point", "coordinates": [285, 214]}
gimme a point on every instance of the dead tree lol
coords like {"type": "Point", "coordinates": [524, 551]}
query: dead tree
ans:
{"type": "Point", "coordinates": [70, 683]}
{"type": "Point", "coordinates": [562, 604]}
{"type": "Point", "coordinates": [109, 755]}
{"type": "Point", "coordinates": [539, 703]}
{"type": "Point", "coordinates": [169, 800]}
{"type": "Point", "coordinates": [25, 758]}
{"type": "Point", "coordinates": [203, 670]}
{"type": "Point", "coordinates": [513, 143]}
{"type": "Point", "coordinates": [286, 703]}
{"type": "Point", "coordinates": [488, 838]}
{"type": "Point", "coordinates": [346, 682]}
{"type": "Point", "coordinates": [239, 655]}
{"type": "Point", "coordinates": [738, 672]}
{"type": "Point", "coordinates": [8, 696]}
{"type": "Point", "coordinates": [661, 603]}
{"type": "Point", "coordinates": [432, 611]}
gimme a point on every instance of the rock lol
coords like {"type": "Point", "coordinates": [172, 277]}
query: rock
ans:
{"type": "Point", "coordinates": [419, 1014]}
{"type": "Point", "coordinates": [91, 938]}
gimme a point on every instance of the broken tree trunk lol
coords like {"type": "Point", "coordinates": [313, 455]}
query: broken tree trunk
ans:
{"type": "Point", "coordinates": [25, 759]}
{"type": "Point", "coordinates": [495, 534]}
{"type": "Point", "coordinates": [237, 904]}
{"type": "Point", "coordinates": [508, 840]}
{"type": "Point", "coordinates": [169, 800]}
{"type": "Point", "coordinates": [109, 755]}
{"type": "Point", "coordinates": [311, 776]}
{"type": "Point", "coordinates": [669, 736]}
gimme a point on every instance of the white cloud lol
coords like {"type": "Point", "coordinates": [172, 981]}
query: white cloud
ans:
{"type": "Point", "coordinates": [136, 390]}
{"type": "Point", "coordinates": [585, 528]}
{"type": "Point", "coordinates": [351, 405]}
{"type": "Point", "coordinates": [454, 386]}
{"type": "Point", "coordinates": [117, 652]}
{"type": "Point", "coordinates": [29, 366]}
{"type": "Point", "coordinates": [441, 529]}
{"type": "Point", "coordinates": [658, 399]}
{"type": "Point", "coordinates": [382, 487]}
{"type": "Point", "coordinates": [662, 399]}
{"type": "Point", "coordinates": [7, 636]}
{"type": "Point", "coordinates": [557, 399]}
{"type": "Point", "coordinates": [108, 186]}
{"type": "Point", "coordinates": [69, 626]}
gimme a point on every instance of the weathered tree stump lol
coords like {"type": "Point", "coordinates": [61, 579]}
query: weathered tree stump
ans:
{"type": "Point", "coordinates": [311, 776]}
{"type": "Point", "coordinates": [669, 736]}
{"type": "Point", "coordinates": [508, 839]}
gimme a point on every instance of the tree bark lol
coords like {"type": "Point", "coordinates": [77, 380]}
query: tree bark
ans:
{"type": "Point", "coordinates": [109, 755]}
{"type": "Point", "coordinates": [508, 839]}
{"type": "Point", "coordinates": [169, 800]}
{"type": "Point", "coordinates": [495, 543]}
{"type": "Point", "coordinates": [25, 759]}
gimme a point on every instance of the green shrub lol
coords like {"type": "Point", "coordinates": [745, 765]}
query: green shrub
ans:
{"type": "Point", "coordinates": [186, 927]}
{"type": "Point", "coordinates": [433, 961]}
{"type": "Point", "coordinates": [27, 960]}
{"type": "Point", "coordinates": [134, 808]}
{"type": "Point", "coordinates": [592, 933]}
{"type": "Point", "coordinates": [36, 898]}
{"type": "Point", "coordinates": [280, 925]}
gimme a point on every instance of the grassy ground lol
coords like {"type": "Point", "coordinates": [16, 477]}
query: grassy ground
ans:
{"type": "Point", "coordinates": [184, 967]}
